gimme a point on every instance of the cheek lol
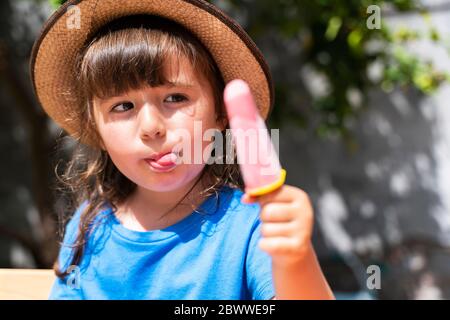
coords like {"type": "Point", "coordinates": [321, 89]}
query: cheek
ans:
{"type": "Point", "coordinates": [114, 134]}
{"type": "Point", "coordinates": [118, 143]}
{"type": "Point", "coordinates": [117, 135]}
{"type": "Point", "coordinates": [200, 129]}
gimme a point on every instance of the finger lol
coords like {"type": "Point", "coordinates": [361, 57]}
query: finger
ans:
{"type": "Point", "coordinates": [277, 229]}
{"type": "Point", "coordinates": [276, 212]}
{"type": "Point", "coordinates": [278, 245]}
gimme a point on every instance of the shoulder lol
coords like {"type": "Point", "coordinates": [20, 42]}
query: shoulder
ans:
{"type": "Point", "coordinates": [72, 227]}
{"type": "Point", "coordinates": [246, 214]}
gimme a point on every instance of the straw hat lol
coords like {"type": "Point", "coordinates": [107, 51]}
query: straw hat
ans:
{"type": "Point", "coordinates": [52, 65]}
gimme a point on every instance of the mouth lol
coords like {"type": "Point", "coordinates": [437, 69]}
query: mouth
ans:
{"type": "Point", "coordinates": [163, 162]}
{"type": "Point", "coordinates": [158, 156]}
{"type": "Point", "coordinates": [155, 166]}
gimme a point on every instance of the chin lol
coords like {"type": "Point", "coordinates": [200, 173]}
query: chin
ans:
{"type": "Point", "coordinates": [172, 180]}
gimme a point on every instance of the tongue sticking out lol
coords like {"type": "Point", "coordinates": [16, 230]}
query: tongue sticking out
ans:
{"type": "Point", "coordinates": [167, 159]}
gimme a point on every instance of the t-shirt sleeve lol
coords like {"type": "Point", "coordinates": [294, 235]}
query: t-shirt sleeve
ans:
{"type": "Point", "coordinates": [258, 267]}
{"type": "Point", "coordinates": [68, 289]}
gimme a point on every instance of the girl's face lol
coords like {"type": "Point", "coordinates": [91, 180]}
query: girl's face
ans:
{"type": "Point", "coordinates": [139, 123]}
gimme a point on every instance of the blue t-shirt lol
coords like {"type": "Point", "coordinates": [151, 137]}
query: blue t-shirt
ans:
{"type": "Point", "coordinates": [210, 254]}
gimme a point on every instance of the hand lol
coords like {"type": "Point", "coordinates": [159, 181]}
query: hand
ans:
{"type": "Point", "coordinates": [287, 222]}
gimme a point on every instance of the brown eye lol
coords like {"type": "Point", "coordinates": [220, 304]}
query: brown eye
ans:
{"type": "Point", "coordinates": [176, 98]}
{"type": "Point", "coordinates": [125, 106]}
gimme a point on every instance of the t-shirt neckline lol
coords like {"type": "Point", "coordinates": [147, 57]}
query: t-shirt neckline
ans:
{"type": "Point", "coordinates": [191, 220]}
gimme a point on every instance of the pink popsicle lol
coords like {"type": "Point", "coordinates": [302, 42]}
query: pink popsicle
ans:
{"type": "Point", "coordinates": [256, 155]}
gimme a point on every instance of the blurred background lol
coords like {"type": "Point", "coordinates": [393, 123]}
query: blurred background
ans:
{"type": "Point", "coordinates": [362, 104]}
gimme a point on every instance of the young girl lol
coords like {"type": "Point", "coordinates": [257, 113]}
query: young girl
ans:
{"type": "Point", "coordinates": [147, 226]}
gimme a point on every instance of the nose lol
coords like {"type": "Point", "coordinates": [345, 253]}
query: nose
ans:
{"type": "Point", "coordinates": [151, 122]}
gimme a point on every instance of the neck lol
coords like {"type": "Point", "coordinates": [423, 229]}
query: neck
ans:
{"type": "Point", "coordinates": [166, 208]}
{"type": "Point", "coordinates": [165, 201]}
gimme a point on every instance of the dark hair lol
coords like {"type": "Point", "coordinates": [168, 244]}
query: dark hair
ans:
{"type": "Point", "coordinates": [129, 53]}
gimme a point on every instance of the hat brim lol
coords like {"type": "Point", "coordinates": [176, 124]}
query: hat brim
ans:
{"type": "Point", "coordinates": [52, 66]}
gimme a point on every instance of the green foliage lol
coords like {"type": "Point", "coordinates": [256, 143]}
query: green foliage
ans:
{"type": "Point", "coordinates": [336, 43]}
{"type": "Point", "coordinates": [56, 3]}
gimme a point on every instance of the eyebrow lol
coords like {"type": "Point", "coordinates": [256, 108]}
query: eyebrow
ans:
{"type": "Point", "coordinates": [179, 84]}
{"type": "Point", "coordinates": [170, 84]}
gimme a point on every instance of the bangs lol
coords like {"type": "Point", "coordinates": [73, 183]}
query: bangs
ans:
{"type": "Point", "coordinates": [121, 59]}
